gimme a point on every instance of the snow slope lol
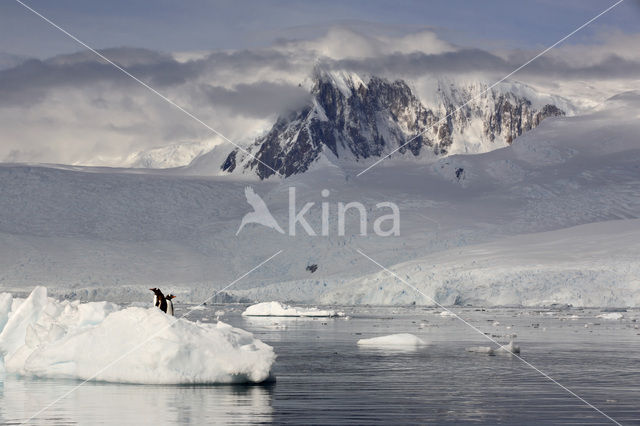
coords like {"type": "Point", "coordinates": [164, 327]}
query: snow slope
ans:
{"type": "Point", "coordinates": [551, 218]}
{"type": "Point", "coordinates": [46, 338]}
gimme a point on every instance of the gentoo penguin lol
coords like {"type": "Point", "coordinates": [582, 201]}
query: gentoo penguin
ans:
{"type": "Point", "coordinates": [168, 297]}
{"type": "Point", "coordinates": [159, 300]}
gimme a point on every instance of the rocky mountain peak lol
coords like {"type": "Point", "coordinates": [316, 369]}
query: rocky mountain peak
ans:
{"type": "Point", "coordinates": [352, 119]}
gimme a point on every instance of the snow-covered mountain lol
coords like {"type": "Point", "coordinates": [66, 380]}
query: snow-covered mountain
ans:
{"type": "Point", "coordinates": [174, 155]}
{"type": "Point", "coordinates": [351, 118]}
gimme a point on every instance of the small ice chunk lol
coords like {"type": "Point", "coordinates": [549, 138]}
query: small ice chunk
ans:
{"type": "Point", "coordinates": [277, 309]}
{"type": "Point", "coordinates": [481, 350]}
{"type": "Point", "coordinates": [611, 316]}
{"type": "Point", "coordinates": [568, 317]}
{"type": "Point", "coordinates": [401, 341]}
{"type": "Point", "coordinates": [508, 349]}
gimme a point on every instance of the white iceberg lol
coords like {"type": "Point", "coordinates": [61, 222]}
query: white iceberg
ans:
{"type": "Point", "coordinates": [395, 341]}
{"type": "Point", "coordinates": [277, 309]}
{"type": "Point", "coordinates": [99, 341]}
{"type": "Point", "coordinates": [611, 316]}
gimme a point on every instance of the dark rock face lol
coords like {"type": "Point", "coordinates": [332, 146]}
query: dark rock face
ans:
{"type": "Point", "coordinates": [229, 164]}
{"type": "Point", "coordinates": [547, 111]}
{"type": "Point", "coordinates": [512, 119]}
{"type": "Point", "coordinates": [356, 121]}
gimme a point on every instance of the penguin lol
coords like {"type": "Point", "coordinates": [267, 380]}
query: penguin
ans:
{"type": "Point", "coordinates": [168, 297]}
{"type": "Point", "coordinates": [159, 300]}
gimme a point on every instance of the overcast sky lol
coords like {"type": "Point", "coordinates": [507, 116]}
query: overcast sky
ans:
{"type": "Point", "coordinates": [239, 63]}
{"type": "Point", "coordinates": [171, 25]}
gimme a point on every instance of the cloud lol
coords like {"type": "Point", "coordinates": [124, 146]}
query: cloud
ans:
{"type": "Point", "coordinates": [416, 64]}
{"type": "Point", "coordinates": [79, 109]}
{"type": "Point", "coordinates": [29, 81]}
{"type": "Point", "coordinates": [263, 99]}
{"type": "Point", "coordinates": [342, 43]}
{"type": "Point", "coordinates": [9, 60]}
{"type": "Point", "coordinates": [474, 61]}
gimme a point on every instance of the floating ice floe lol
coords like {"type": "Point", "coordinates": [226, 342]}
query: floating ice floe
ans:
{"type": "Point", "coordinates": [405, 341]}
{"type": "Point", "coordinates": [100, 341]}
{"type": "Point", "coordinates": [481, 350]}
{"type": "Point", "coordinates": [509, 349]}
{"type": "Point", "coordinates": [611, 316]}
{"type": "Point", "coordinates": [277, 309]}
{"type": "Point", "coordinates": [570, 317]}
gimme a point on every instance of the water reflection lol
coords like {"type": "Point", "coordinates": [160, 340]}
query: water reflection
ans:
{"type": "Point", "coordinates": [95, 403]}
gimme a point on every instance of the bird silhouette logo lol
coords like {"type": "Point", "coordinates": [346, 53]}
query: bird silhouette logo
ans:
{"type": "Point", "coordinates": [260, 213]}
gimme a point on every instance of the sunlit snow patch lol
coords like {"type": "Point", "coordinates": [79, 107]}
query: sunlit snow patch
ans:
{"type": "Point", "coordinates": [402, 341]}
{"type": "Point", "coordinates": [277, 309]}
{"type": "Point", "coordinates": [99, 341]}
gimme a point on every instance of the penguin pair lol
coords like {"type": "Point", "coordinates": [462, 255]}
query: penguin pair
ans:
{"type": "Point", "coordinates": [163, 302]}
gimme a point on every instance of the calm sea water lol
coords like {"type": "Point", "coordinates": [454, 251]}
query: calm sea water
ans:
{"type": "Point", "coordinates": [324, 378]}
